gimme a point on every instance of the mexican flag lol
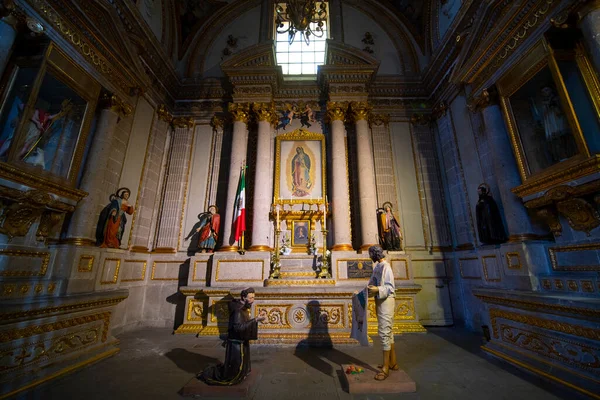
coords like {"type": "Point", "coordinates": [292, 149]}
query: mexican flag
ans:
{"type": "Point", "coordinates": [239, 212]}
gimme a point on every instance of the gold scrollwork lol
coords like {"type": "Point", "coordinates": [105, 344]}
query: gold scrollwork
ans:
{"type": "Point", "coordinates": [195, 311]}
{"type": "Point", "coordinates": [183, 122]}
{"type": "Point", "coordinates": [266, 112]}
{"type": "Point", "coordinates": [116, 104]}
{"type": "Point", "coordinates": [379, 119]}
{"type": "Point", "coordinates": [360, 110]}
{"type": "Point", "coordinates": [277, 316]}
{"type": "Point", "coordinates": [164, 114]}
{"type": "Point", "coordinates": [220, 311]}
{"type": "Point", "coordinates": [580, 214]}
{"type": "Point", "coordinates": [31, 330]}
{"type": "Point", "coordinates": [329, 316]}
{"type": "Point", "coordinates": [217, 122]}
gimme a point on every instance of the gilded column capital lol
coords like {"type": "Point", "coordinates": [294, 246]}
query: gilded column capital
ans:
{"type": "Point", "coordinates": [420, 119]}
{"type": "Point", "coordinates": [183, 122]}
{"type": "Point", "coordinates": [239, 111]}
{"type": "Point", "coordinates": [379, 119]}
{"type": "Point", "coordinates": [336, 110]}
{"type": "Point", "coordinates": [588, 7]}
{"type": "Point", "coordinates": [266, 112]}
{"type": "Point", "coordinates": [217, 122]}
{"type": "Point", "coordinates": [115, 104]}
{"type": "Point", "coordinates": [163, 114]}
{"type": "Point", "coordinates": [360, 110]}
{"type": "Point", "coordinates": [487, 98]}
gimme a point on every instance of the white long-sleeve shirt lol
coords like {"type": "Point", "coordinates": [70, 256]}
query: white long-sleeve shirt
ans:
{"type": "Point", "coordinates": [383, 278]}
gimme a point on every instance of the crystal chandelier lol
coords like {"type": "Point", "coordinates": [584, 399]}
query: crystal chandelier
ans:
{"type": "Point", "coordinates": [306, 17]}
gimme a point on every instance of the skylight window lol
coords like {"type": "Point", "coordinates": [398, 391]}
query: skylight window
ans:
{"type": "Point", "coordinates": [300, 58]}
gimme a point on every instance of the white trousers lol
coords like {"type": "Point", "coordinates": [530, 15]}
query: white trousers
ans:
{"type": "Point", "coordinates": [385, 321]}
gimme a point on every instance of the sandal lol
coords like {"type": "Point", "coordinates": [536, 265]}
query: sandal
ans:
{"type": "Point", "coordinates": [395, 367]}
{"type": "Point", "coordinates": [382, 375]}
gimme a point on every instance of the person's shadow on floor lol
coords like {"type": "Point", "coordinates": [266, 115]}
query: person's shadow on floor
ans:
{"type": "Point", "coordinates": [317, 349]}
{"type": "Point", "coordinates": [190, 362]}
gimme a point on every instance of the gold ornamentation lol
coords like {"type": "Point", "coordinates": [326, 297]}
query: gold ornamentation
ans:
{"type": "Point", "coordinates": [153, 274]}
{"type": "Point", "coordinates": [405, 309]}
{"type": "Point", "coordinates": [546, 284]}
{"type": "Point", "coordinates": [379, 119]}
{"type": "Point", "coordinates": [488, 97]}
{"type": "Point", "coordinates": [51, 287]}
{"type": "Point", "coordinates": [421, 119]}
{"type": "Point", "coordinates": [360, 110]}
{"type": "Point", "coordinates": [220, 312]}
{"type": "Point", "coordinates": [552, 252]}
{"type": "Point", "coordinates": [326, 315]}
{"type": "Point", "coordinates": [45, 256]}
{"type": "Point", "coordinates": [48, 220]}
{"type": "Point", "coordinates": [38, 288]}
{"type": "Point", "coordinates": [85, 263]}
{"type": "Point", "coordinates": [572, 285]}
{"type": "Point", "coordinates": [141, 278]}
{"type": "Point", "coordinates": [8, 290]}
{"type": "Point", "coordinates": [276, 316]}
{"type": "Point", "coordinates": [266, 112]}
{"type": "Point", "coordinates": [300, 282]}
{"type": "Point", "coordinates": [336, 111]}
{"type": "Point", "coordinates": [164, 114]}
{"type": "Point", "coordinates": [195, 311]}
{"type": "Point", "coordinates": [21, 209]}
{"type": "Point", "coordinates": [536, 306]}
{"type": "Point", "coordinates": [558, 284]}
{"type": "Point", "coordinates": [574, 172]}
{"type": "Point", "coordinates": [198, 329]}
{"type": "Point", "coordinates": [485, 270]}
{"type": "Point", "coordinates": [116, 105]}
{"type": "Point", "coordinates": [115, 273]}
{"type": "Point", "coordinates": [578, 355]}
{"type": "Point", "coordinates": [25, 332]}
{"type": "Point", "coordinates": [510, 260]}
{"type": "Point", "coordinates": [552, 325]}
{"type": "Point", "coordinates": [299, 316]}
{"type": "Point", "coordinates": [217, 122]}
{"type": "Point", "coordinates": [439, 110]}
{"type": "Point", "coordinates": [240, 112]}
{"type": "Point", "coordinates": [183, 122]}
{"type": "Point", "coordinates": [62, 309]}
{"type": "Point", "coordinates": [587, 286]}
{"type": "Point", "coordinates": [11, 173]}
{"type": "Point", "coordinates": [549, 215]}
{"type": "Point", "coordinates": [580, 214]}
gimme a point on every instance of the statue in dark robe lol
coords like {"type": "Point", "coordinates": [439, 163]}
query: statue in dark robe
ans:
{"type": "Point", "coordinates": [241, 330]}
{"type": "Point", "coordinates": [489, 221]}
{"type": "Point", "coordinates": [390, 236]}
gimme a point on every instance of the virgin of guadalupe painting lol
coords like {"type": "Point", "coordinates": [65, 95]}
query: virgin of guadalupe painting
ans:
{"type": "Point", "coordinates": [112, 220]}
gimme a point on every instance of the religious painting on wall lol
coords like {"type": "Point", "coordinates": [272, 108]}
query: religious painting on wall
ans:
{"type": "Point", "coordinates": [549, 111]}
{"type": "Point", "coordinates": [45, 115]}
{"type": "Point", "coordinates": [300, 168]}
{"type": "Point", "coordinates": [301, 233]}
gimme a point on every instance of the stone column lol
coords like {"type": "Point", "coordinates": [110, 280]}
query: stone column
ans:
{"type": "Point", "coordinates": [83, 223]}
{"type": "Point", "coordinates": [366, 175]}
{"type": "Point", "coordinates": [505, 168]}
{"type": "Point", "coordinates": [171, 217]}
{"type": "Point", "coordinates": [589, 23]}
{"type": "Point", "coordinates": [266, 116]}
{"type": "Point", "coordinates": [240, 113]}
{"type": "Point", "coordinates": [218, 123]}
{"type": "Point", "coordinates": [340, 201]}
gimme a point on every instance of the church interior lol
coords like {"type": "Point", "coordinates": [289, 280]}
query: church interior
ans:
{"type": "Point", "coordinates": [157, 157]}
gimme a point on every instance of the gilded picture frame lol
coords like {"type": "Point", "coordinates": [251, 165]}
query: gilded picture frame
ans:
{"type": "Point", "coordinates": [300, 170]}
{"type": "Point", "coordinates": [300, 233]}
{"type": "Point", "coordinates": [527, 113]}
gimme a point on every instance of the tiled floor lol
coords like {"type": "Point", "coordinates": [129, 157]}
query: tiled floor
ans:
{"type": "Point", "coordinates": [446, 363]}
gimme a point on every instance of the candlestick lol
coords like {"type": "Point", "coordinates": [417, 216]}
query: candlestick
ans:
{"type": "Point", "coordinates": [277, 208]}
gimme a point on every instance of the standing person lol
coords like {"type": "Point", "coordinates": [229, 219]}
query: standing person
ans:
{"type": "Point", "coordinates": [241, 330]}
{"type": "Point", "coordinates": [489, 221]}
{"type": "Point", "coordinates": [381, 286]}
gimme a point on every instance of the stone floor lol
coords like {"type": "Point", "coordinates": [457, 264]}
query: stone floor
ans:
{"type": "Point", "coordinates": [446, 363]}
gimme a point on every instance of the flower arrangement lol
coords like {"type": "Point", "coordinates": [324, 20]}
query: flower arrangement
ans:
{"type": "Point", "coordinates": [312, 247]}
{"type": "Point", "coordinates": [286, 247]}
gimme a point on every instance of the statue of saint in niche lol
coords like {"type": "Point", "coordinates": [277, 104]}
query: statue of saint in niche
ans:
{"type": "Point", "coordinates": [301, 183]}
{"type": "Point", "coordinates": [210, 222]}
{"type": "Point", "coordinates": [390, 235]}
{"type": "Point", "coordinates": [489, 221]}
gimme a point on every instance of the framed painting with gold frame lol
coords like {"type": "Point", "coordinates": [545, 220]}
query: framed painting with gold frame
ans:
{"type": "Point", "coordinates": [300, 233]}
{"type": "Point", "coordinates": [45, 119]}
{"type": "Point", "coordinates": [550, 137]}
{"type": "Point", "coordinates": [300, 176]}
